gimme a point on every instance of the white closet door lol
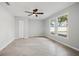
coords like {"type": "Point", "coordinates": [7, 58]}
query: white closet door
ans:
{"type": "Point", "coordinates": [21, 29]}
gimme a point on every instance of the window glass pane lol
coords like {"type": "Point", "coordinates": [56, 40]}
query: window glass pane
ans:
{"type": "Point", "coordinates": [52, 26]}
{"type": "Point", "coordinates": [62, 25]}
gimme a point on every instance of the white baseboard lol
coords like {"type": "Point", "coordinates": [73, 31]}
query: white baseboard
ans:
{"type": "Point", "coordinates": [64, 44]}
{"type": "Point", "coordinates": [6, 44]}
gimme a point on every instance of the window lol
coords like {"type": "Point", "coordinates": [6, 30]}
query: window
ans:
{"type": "Point", "coordinates": [52, 26]}
{"type": "Point", "coordinates": [62, 25]}
{"type": "Point", "coordinates": [59, 25]}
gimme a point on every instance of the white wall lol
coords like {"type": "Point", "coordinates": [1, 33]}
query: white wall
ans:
{"type": "Point", "coordinates": [7, 28]}
{"type": "Point", "coordinates": [16, 27]}
{"type": "Point", "coordinates": [26, 28]}
{"type": "Point", "coordinates": [36, 27]}
{"type": "Point", "coordinates": [73, 31]}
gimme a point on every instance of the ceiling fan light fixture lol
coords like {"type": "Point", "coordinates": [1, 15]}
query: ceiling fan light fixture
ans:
{"type": "Point", "coordinates": [34, 12]}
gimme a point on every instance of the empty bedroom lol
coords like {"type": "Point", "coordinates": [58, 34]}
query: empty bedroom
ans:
{"type": "Point", "coordinates": [39, 29]}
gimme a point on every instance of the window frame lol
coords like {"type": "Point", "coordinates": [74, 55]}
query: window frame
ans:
{"type": "Point", "coordinates": [55, 18]}
{"type": "Point", "coordinates": [59, 34]}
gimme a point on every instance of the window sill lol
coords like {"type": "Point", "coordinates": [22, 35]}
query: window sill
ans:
{"type": "Point", "coordinates": [62, 35]}
{"type": "Point", "coordinates": [52, 33]}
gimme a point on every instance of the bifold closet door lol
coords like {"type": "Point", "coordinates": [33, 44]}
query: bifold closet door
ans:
{"type": "Point", "coordinates": [21, 29]}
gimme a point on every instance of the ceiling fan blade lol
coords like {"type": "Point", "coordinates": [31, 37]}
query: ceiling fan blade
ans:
{"type": "Point", "coordinates": [30, 14]}
{"type": "Point", "coordinates": [27, 11]}
{"type": "Point", "coordinates": [35, 10]}
{"type": "Point", "coordinates": [39, 13]}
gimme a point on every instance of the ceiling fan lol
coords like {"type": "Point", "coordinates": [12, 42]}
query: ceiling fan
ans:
{"type": "Point", "coordinates": [34, 12]}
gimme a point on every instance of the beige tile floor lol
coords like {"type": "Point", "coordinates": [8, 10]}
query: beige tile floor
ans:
{"type": "Point", "coordinates": [37, 46]}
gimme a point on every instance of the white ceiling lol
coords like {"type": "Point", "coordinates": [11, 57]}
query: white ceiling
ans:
{"type": "Point", "coordinates": [18, 8]}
